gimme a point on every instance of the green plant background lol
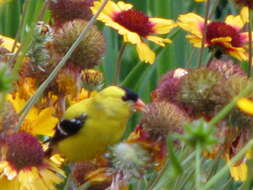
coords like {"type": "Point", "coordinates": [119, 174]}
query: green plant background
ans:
{"type": "Point", "coordinates": [139, 76]}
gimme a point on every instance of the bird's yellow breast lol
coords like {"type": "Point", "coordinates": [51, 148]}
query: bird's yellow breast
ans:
{"type": "Point", "coordinates": [104, 126]}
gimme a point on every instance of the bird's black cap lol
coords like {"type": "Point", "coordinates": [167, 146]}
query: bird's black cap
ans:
{"type": "Point", "coordinates": [130, 95]}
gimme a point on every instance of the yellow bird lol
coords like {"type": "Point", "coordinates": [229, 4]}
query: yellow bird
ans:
{"type": "Point", "coordinates": [90, 126]}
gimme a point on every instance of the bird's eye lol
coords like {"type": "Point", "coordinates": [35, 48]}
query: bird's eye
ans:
{"type": "Point", "coordinates": [130, 95]}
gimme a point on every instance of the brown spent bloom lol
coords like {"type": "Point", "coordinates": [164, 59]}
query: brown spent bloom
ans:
{"type": "Point", "coordinates": [81, 169]}
{"type": "Point", "coordinates": [8, 118]}
{"type": "Point", "coordinates": [226, 67]}
{"type": "Point", "coordinates": [197, 90]}
{"type": "Point", "coordinates": [163, 118]}
{"type": "Point", "coordinates": [32, 70]}
{"type": "Point", "coordinates": [91, 79]}
{"type": "Point", "coordinates": [83, 172]}
{"type": "Point", "coordinates": [89, 52]}
{"type": "Point", "coordinates": [68, 10]}
{"type": "Point", "coordinates": [224, 92]}
{"type": "Point", "coordinates": [69, 81]}
{"type": "Point", "coordinates": [169, 85]}
{"type": "Point", "coordinates": [3, 51]}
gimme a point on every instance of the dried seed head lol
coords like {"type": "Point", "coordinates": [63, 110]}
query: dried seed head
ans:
{"type": "Point", "coordinates": [226, 90]}
{"type": "Point", "coordinates": [169, 85]}
{"type": "Point", "coordinates": [131, 160]}
{"type": "Point", "coordinates": [92, 79]}
{"type": "Point", "coordinates": [68, 10]}
{"type": "Point", "coordinates": [69, 81]}
{"type": "Point", "coordinates": [80, 171]}
{"type": "Point", "coordinates": [197, 89]}
{"type": "Point", "coordinates": [8, 118]}
{"type": "Point", "coordinates": [224, 93]}
{"type": "Point", "coordinates": [163, 118]}
{"type": "Point", "coordinates": [89, 52]}
{"type": "Point", "coordinates": [226, 68]}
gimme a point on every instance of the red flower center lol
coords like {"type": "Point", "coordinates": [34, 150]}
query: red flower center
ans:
{"type": "Point", "coordinates": [248, 3]}
{"type": "Point", "coordinates": [219, 30]}
{"type": "Point", "coordinates": [135, 21]}
{"type": "Point", "coordinates": [24, 150]}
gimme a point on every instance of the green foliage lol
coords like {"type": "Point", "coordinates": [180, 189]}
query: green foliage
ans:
{"type": "Point", "coordinates": [18, 19]}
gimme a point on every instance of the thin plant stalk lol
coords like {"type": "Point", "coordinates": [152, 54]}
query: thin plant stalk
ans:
{"type": "Point", "coordinates": [207, 6]}
{"type": "Point", "coordinates": [185, 180]}
{"type": "Point", "coordinates": [164, 169]}
{"type": "Point", "coordinates": [250, 43]}
{"type": "Point", "coordinates": [25, 44]}
{"type": "Point", "coordinates": [21, 25]}
{"type": "Point", "coordinates": [157, 179]}
{"type": "Point", "coordinates": [52, 75]}
{"type": "Point", "coordinates": [229, 106]}
{"type": "Point", "coordinates": [119, 63]}
{"type": "Point", "coordinates": [224, 170]}
{"type": "Point", "coordinates": [43, 10]}
{"type": "Point", "coordinates": [197, 166]}
{"type": "Point", "coordinates": [84, 186]}
{"type": "Point", "coordinates": [216, 3]}
{"type": "Point", "coordinates": [66, 186]}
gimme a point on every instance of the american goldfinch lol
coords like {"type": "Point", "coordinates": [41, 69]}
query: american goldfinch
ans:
{"type": "Point", "coordinates": [90, 126]}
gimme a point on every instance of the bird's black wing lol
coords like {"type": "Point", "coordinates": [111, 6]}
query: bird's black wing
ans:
{"type": "Point", "coordinates": [66, 128]}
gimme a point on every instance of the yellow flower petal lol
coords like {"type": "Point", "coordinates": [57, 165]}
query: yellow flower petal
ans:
{"type": "Point", "coordinates": [240, 20]}
{"type": "Point", "coordinates": [158, 40]}
{"type": "Point", "coordinates": [45, 122]}
{"type": "Point", "coordinates": [110, 8]}
{"type": "Point", "coordinates": [239, 172]}
{"type": "Point", "coordinates": [8, 42]}
{"type": "Point", "coordinates": [37, 122]}
{"type": "Point", "coordinates": [192, 23]}
{"type": "Point", "coordinates": [194, 40]}
{"type": "Point", "coordinates": [16, 101]}
{"type": "Point", "coordinates": [221, 40]}
{"type": "Point", "coordinates": [6, 184]}
{"type": "Point", "coordinates": [245, 105]}
{"type": "Point", "coordinates": [162, 26]}
{"type": "Point", "coordinates": [244, 13]}
{"type": "Point", "coordinates": [237, 52]}
{"type": "Point", "coordinates": [235, 21]}
{"type": "Point", "coordinates": [50, 178]}
{"type": "Point", "coordinates": [145, 53]}
{"type": "Point", "coordinates": [124, 6]}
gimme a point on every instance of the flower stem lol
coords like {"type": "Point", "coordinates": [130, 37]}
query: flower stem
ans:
{"type": "Point", "coordinates": [21, 51]}
{"type": "Point", "coordinates": [157, 179]}
{"type": "Point", "coordinates": [43, 10]}
{"type": "Point", "coordinates": [52, 75]}
{"type": "Point", "coordinates": [22, 23]}
{"type": "Point", "coordinates": [197, 166]}
{"type": "Point", "coordinates": [84, 186]}
{"type": "Point", "coordinates": [207, 6]}
{"type": "Point", "coordinates": [119, 63]}
{"type": "Point", "coordinates": [223, 171]}
{"type": "Point", "coordinates": [250, 43]}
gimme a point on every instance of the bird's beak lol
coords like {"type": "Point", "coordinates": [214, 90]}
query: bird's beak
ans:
{"type": "Point", "coordinates": [139, 105]}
